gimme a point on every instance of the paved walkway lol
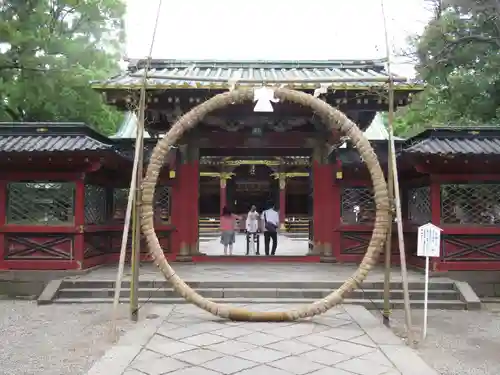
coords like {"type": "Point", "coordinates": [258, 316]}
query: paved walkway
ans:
{"type": "Point", "coordinates": [184, 340]}
{"type": "Point", "coordinates": [286, 246]}
{"type": "Point", "coordinates": [283, 272]}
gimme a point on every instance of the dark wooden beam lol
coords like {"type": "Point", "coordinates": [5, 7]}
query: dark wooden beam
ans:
{"type": "Point", "coordinates": [262, 152]}
{"type": "Point", "coordinates": [236, 123]}
{"type": "Point", "coordinates": [239, 140]}
{"type": "Point", "coordinates": [239, 111]}
{"type": "Point", "coordinates": [77, 160]}
{"type": "Point", "coordinates": [197, 96]}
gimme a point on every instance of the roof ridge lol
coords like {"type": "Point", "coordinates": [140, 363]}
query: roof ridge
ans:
{"type": "Point", "coordinates": [375, 64]}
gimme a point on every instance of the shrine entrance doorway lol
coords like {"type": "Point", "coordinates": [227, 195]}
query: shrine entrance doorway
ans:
{"type": "Point", "coordinates": [239, 182]}
{"type": "Point", "coordinates": [252, 185]}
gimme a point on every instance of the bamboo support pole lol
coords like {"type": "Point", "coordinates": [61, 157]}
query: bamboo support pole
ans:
{"type": "Point", "coordinates": [139, 141]}
{"type": "Point", "coordinates": [123, 248]}
{"type": "Point", "coordinates": [388, 246]}
{"type": "Point", "coordinates": [132, 252]}
{"type": "Point", "coordinates": [136, 229]}
{"type": "Point", "coordinates": [139, 149]}
{"type": "Point", "coordinates": [396, 191]}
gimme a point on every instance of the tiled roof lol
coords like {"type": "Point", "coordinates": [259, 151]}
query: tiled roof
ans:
{"type": "Point", "coordinates": [49, 143]}
{"type": "Point", "coordinates": [337, 74]}
{"type": "Point", "coordinates": [456, 146]}
{"type": "Point", "coordinates": [50, 137]}
{"type": "Point", "coordinates": [350, 156]}
{"type": "Point", "coordinates": [128, 127]}
{"type": "Point", "coordinates": [127, 151]}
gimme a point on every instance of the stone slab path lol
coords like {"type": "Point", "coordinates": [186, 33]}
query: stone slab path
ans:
{"type": "Point", "coordinates": [279, 272]}
{"type": "Point", "coordinates": [184, 340]}
{"type": "Point", "coordinates": [286, 246]}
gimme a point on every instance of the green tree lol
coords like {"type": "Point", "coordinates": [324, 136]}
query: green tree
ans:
{"type": "Point", "coordinates": [50, 50]}
{"type": "Point", "coordinates": [458, 56]}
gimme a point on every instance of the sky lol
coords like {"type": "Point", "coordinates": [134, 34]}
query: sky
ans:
{"type": "Point", "coordinates": [273, 29]}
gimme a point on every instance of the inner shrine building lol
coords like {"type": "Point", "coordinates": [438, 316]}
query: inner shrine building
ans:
{"type": "Point", "coordinates": [64, 186]}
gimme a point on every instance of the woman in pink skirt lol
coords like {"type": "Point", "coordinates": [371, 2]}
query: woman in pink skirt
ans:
{"type": "Point", "coordinates": [227, 225]}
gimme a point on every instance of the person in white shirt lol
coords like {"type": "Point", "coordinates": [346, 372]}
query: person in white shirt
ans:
{"type": "Point", "coordinates": [271, 221]}
{"type": "Point", "coordinates": [252, 227]}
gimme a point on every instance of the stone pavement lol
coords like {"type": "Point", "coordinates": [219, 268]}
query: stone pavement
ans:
{"type": "Point", "coordinates": [277, 272]}
{"type": "Point", "coordinates": [286, 246]}
{"type": "Point", "coordinates": [184, 340]}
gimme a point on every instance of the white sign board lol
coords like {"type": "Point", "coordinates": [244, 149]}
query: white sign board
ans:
{"type": "Point", "coordinates": [264, 96]}
{"type": "Point", "coordinates": [428, 245]}
{"type": "Point", "coordinates": [429, 241]}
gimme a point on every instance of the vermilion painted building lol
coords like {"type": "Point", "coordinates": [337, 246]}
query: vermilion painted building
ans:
{"type": "Point", "coordinates": [63, 187]}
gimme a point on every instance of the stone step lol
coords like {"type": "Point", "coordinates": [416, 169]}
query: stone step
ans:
{"type": "Point", "coordinates": [493, 300]}
{"type": "Point", "coordinates": [228, 284]}
{"type": "Point", "coordinates": [208, 236]}
{"type": "Point", "coordinates": [373, 294]}
{"type": "Point", "coordinates": [297, 235]}
{"type": "Point", "coordinates": [203, 240]}
{"type": "Point", "coordinates": [377, 304]}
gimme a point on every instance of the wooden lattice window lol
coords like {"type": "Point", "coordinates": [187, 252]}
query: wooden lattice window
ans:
{"type": "Point", "coordinates": [470, 204]}
{"type": "Point", "coordinates": [120, 200]}
{"type": "Point", "coordinates": [162, 207]}
{"type": "Point", "coordinates": [358, 205]}
{"type": "Point", "coordinates": [96, 211]}
{"type": "Point", "coordinates": [419, 205]}
{"type": "Point", "coordinates": [41, 203]}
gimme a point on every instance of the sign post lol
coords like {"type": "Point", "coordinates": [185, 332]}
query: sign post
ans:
{"type": "Point", "coordinates": [428, 246]}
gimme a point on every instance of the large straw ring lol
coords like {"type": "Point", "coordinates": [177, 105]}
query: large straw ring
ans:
{"type": "Point", "coordinates": [334, 119]}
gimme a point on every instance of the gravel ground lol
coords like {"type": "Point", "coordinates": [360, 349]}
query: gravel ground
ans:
{"type": "Point", "coordinates": [458, 342]}
{"type": "Point", "coordinates": [67, 339]}
{"type": "Point", "coordinates": [54, 339]}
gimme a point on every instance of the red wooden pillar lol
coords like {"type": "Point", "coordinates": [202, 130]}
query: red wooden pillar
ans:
{"type": "Point", "coordinates": [176, 214]}
{"type": "Point", "coordinates": [328, 207]}
{"type": "Point", "coordinates": [323, 202]}
{"type": "Point", "coordinates": [223, 193]}
{"type": "Point", "coordinates": [79, 239]}
{"type": "Point", "coordinates": [181, 208]}
{"type": "Point", "coordinates": [189, 191]}
{"type": "Point", "coordinates": [194, 182]}
{"type": "Point", "coordinates": [336, 219]}
{"type": "Point", "coordinates": [319, 203]}
{"type": "Point", "coordinates": [331, 221]}
{"type": "Point", "coordinates": [436, 263]}
{"type": "Point", "coordinates": [3, 217]}
{"type": "Point", "coordinates": [282, 202]}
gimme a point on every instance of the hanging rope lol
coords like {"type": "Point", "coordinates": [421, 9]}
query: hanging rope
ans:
{"type": "Point", "coordinates": [334, 120]}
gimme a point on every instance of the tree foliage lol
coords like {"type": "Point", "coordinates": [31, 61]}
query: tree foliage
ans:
{"type": "Point", "coordinates": [458, 56]}
{"type": "Point", "coordinates": [50, 50]}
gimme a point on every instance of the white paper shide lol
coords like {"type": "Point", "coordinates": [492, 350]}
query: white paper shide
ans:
{"type": "Point", "coordinates": [264, 96]}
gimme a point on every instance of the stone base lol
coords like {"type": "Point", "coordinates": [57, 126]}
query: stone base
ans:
{"type": "Point", "coordinates": [328, 259]}
{"type": "Point", "coordinates": [316, 250]}
{"type": "Point", "coordinates": [183, 258]}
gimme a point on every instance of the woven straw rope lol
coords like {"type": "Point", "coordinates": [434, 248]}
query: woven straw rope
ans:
{"type": "Point", "coordinates": [334, 119]}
